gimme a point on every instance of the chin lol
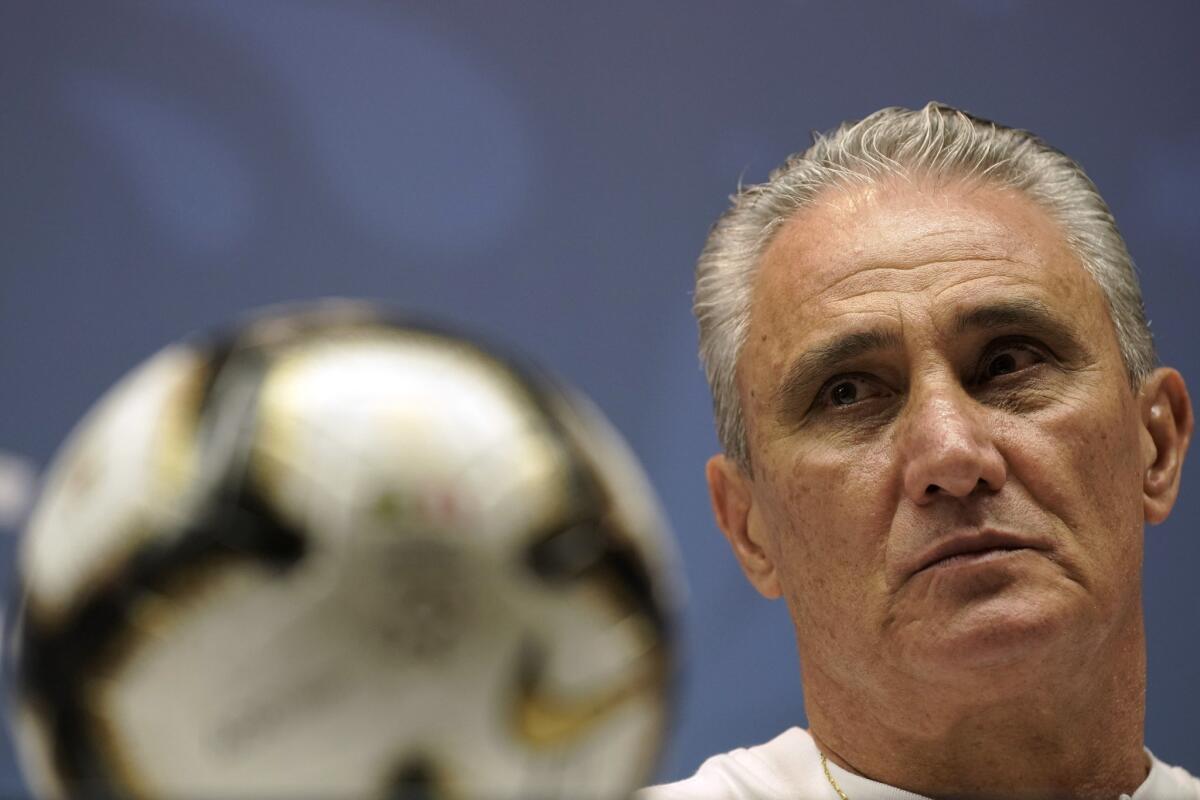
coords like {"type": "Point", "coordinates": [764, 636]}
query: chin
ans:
{"type": "Point", "coordinates": [992, 639]}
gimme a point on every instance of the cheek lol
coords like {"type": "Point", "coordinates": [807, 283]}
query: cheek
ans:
{"type": "Point", "coordinates": [1085, 469]}
{"type": "Point", "coordinates": [829, 513]}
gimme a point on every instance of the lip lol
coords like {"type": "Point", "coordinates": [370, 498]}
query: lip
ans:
{"type": "Point", "coordinates": [973, 543]}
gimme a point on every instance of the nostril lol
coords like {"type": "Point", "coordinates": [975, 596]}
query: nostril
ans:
{"type": "Point", "coordinates": [932, 488]}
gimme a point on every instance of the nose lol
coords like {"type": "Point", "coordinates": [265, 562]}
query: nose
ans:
{"type": "Point", "coordinates": [947, 448]}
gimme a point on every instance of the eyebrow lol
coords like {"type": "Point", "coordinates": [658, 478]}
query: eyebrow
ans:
{"type": "Point", "coordinates": [1019, 311]}
{"type": "Point", "coordinates": [1028, 314]}
{"type": "Point", "coordinates": [812, 365]}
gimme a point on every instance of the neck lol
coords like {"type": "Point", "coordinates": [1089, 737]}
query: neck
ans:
{"type": "Point", "coordinates": [1075, 733]}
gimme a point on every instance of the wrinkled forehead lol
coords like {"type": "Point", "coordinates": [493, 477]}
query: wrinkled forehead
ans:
{"type": "Point", "coordinates": [854, 250]}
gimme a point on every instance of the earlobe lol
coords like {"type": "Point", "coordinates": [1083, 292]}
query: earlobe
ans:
{"type": "Point", "coordinates": [730, 490]}
{"type": "Point", "coordinates": [1167, 423]}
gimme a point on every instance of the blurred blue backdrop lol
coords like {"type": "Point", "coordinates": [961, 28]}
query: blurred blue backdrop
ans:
{"type": "Point", "coordinates": [542, 174]}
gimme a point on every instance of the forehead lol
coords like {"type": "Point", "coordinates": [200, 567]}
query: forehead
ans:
{"type": "Point", "coordinates": [907, 250]}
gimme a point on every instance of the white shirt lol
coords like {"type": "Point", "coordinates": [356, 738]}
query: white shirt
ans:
{"type": "Point", "coordinates": [789, 768]}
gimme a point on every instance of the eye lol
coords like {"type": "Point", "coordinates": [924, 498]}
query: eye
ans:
{"type": "Point", "coordinates": [847, 390]}
{"type": "Point", "coordinates": [1009, 359]}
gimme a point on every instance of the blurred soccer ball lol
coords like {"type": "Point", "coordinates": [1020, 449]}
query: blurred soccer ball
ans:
{"type": "Point", "coordinates": [336, 556]}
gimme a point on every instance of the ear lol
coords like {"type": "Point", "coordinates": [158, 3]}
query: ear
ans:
{"type": "Point", "coordinates": [1166, 412]}
{"type": "Point", "coordinates": [730, 490]}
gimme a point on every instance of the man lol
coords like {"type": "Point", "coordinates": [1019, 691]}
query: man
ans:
{"type": "Point", "coordinates": [943, 431]}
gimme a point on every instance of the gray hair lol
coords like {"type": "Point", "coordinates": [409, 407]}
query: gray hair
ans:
{"type": "Point", "coordinates": [938, 141]}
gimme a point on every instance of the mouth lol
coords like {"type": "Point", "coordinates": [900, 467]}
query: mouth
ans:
{"type": "Point", "coordinates": [974, 548]}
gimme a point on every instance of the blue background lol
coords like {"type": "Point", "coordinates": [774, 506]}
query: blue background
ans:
{"type": "Point", "coordinates": [543, 174]}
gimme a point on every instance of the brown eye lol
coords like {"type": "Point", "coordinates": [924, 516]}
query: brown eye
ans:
{"type": "Point", "coordinates": [1008, 360]}
{"type": "Point", "coordinates": [843, 394]}
{"type": "Point", "coordinates": [851, 390]}
{"type": "Point", "coordinates": [1002, 365]}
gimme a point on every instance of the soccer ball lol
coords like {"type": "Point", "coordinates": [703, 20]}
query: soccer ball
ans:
{"type": "Point", "coordinates": [335, 555]}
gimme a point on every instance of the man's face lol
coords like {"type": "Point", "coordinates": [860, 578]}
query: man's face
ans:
{"type": "Point", "coordinates": [948, 458]}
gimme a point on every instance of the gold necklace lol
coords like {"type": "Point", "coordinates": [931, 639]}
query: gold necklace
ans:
{"type": "Point", "coordinates": [829, 777]}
